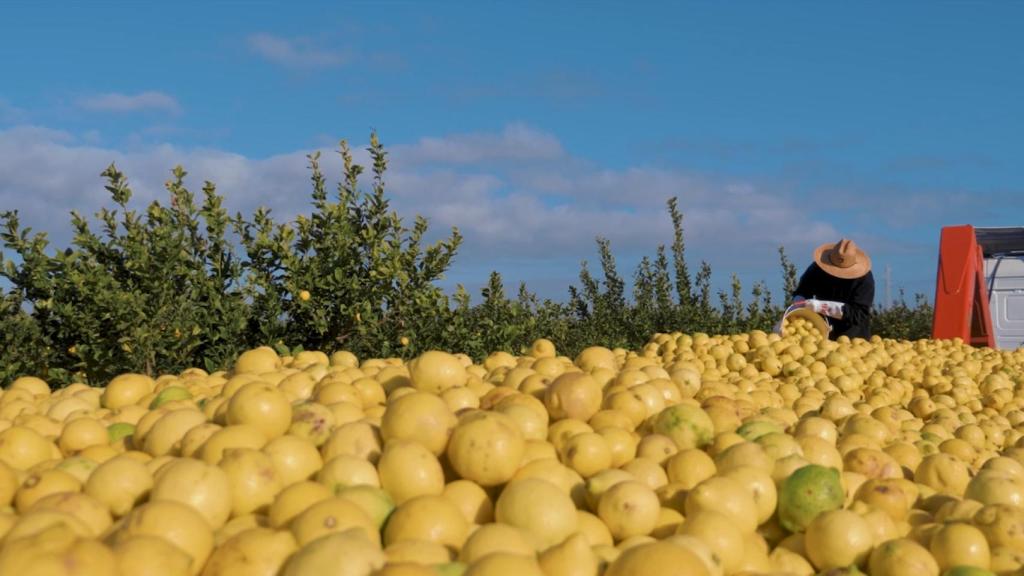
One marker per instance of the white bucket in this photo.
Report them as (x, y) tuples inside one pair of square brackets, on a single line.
[(801, 312)]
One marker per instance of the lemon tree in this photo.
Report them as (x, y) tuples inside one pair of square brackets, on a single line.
[(151, 291), (350, 274)]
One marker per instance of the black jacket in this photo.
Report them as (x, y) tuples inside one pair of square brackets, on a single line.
[(857, 294)]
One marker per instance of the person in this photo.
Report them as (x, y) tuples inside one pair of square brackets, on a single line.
[(839, 285)]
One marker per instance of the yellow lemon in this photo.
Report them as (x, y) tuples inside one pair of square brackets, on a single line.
[(420, 416), (120, 483), (838, 538), (573, 557), (261, 551), (91, 512), (263, 406), (407, 469), (126, 389), (657, 559), (257, 360), (22, 448), (725, 495), (428, 518), (151, 556), (959, 544), (174, 522), (346, 553), (540, 508), (436, 371), (204, 487), (57, 550), (493, 538), (472, 500), (294, 500), (505, 564)]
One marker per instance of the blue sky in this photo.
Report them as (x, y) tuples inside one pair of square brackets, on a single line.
[(534, 128)]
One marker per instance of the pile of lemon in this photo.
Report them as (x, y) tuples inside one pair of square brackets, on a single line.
[(797, 326), (694, 456)]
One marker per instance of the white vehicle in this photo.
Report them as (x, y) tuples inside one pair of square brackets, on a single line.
[(1003, 251), (979, 288)]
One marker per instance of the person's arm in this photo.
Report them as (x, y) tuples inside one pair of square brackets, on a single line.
[(805, 288), (853, 310), (858, 309)]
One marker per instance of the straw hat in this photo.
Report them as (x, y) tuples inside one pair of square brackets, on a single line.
[(842, 259)]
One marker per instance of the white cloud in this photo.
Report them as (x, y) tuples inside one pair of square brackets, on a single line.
[(118, 102), (296, 53), (516, 142), (11, 114), (523, 203)]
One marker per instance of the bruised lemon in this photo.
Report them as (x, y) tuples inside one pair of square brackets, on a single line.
[(330, 516), (253, 480), (629, 509), (687, 426), (486, 448), (294, 458), (204, 487), (574, 395), (902, 556), (53, 551)]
